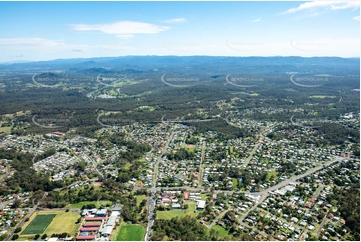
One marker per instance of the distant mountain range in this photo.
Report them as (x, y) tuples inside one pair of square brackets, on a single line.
[(141, 63)]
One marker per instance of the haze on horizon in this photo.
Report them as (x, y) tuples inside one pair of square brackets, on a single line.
[(35, 31)]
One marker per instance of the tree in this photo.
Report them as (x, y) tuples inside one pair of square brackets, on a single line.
[(3, 236), (17, 230), (37, 236), (15, 237), (44, 236)]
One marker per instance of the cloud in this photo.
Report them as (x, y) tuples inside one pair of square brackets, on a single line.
[(357, 18), (31, 42), (330, 5), (256, 20), (175, 20), (122, 29)]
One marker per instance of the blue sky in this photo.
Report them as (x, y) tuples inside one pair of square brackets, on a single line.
[(52, 30)]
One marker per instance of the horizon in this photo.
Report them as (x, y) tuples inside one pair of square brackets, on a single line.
[(104, 57), (42, 31)]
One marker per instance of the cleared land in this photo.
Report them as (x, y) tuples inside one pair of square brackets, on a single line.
[(39, 224), (81, 204), (221, 231), (131, 232), (140, 199)]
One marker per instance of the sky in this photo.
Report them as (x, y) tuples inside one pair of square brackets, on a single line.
[(35, 31)]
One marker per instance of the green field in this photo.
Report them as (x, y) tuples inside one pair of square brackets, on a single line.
[(62, 222), (178, 212), (320, 96), (140, 199), (81, 204), (221, 231), (39, 224), (131, 232)]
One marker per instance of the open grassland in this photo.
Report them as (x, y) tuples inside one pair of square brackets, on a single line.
[(168, 214), (140, 199), (131, 232), (221, 231), (81, 204)]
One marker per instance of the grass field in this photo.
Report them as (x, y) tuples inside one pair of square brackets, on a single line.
[(81, 204), (5, 129), (39, 224), (320, 96), (222, 232), (178, 212), (62, 222), (131, 232), (140, 199), (234, 183)]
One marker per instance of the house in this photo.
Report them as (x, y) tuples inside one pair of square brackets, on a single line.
[(186, 196), (308, 205)]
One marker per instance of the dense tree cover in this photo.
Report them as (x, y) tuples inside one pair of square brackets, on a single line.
[(349, 200), (192, 140), (188, 228), (133, 150), (181, 154), (184, 229), (335, 134), (225, 130), (25, 178), (47, 153), (110, 190)]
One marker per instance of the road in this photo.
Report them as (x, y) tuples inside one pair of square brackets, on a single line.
[(294, 178), (31, 211), (151, 201), (322, 224), (254, 206), (88, 159), (249, 158), (200, 176)]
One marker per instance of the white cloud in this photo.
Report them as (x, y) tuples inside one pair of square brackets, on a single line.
[(31, 42), (175, 20), (256, 20), (122, 29), (330, 5), (357, 18)]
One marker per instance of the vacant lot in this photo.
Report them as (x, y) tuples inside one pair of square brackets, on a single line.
[(81, 204), (221, 231), (131, 232), (39, 224), (168, 214)]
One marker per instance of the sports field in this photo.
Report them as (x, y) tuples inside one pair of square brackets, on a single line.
[(131, 232), (63, 222), (39, 224)]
